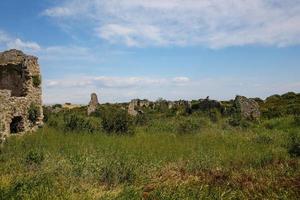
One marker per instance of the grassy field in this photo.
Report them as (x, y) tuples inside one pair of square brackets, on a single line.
[(214, 161)]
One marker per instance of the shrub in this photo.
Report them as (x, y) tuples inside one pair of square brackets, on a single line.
[(33, 113), (96, 113), (57, 106), (186, 126), (186, 111), (53, 121), (214, 115), (116, 121), (73, 122), (207, 105), (293, 109), (34, 157), (141, 119), (297, 120), (46, 113), (272, 112), (36, 80), (236, 121), (294, 144)]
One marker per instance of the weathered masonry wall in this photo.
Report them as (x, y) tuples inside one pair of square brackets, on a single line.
[(20, 93)]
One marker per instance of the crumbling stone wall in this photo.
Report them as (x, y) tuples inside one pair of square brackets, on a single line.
[(132, 107), (248, 108), (135, 106), (20, 91)]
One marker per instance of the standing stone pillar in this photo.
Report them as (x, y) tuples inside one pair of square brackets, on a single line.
[(93, 104)]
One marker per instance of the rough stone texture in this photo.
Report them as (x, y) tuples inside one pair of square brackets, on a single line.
[(179, 104), (20, 87), (248, 108), (145, 103), (171, 104), (136, 105), (132, 106), (93, 104), (183, 103)]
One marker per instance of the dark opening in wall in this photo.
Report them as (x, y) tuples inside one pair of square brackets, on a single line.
[(12, 78), (17, 125)]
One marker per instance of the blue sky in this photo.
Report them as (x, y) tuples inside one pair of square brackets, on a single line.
[(175, 49)]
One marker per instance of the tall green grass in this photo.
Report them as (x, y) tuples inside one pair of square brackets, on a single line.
[(214, 161)]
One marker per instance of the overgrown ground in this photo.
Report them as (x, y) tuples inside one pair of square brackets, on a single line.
[(165, 159)]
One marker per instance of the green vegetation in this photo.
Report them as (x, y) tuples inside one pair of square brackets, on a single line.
[(157, 155), (33, 113), (115, 120), (36, 80)]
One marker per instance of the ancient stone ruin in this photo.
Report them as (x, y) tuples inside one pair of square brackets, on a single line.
[(93, 104), (132, 107), (248, 108), (135, 105), (20, 93)]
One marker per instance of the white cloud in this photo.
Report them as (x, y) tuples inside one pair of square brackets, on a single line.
[(67, 53), (77, 89), (181, 79), (9, 42), (212, 23), (50, 54), (138, 35), (19, 44), (115, 82), (58, 11)]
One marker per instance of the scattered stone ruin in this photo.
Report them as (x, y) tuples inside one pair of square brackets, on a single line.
[(132, 106), (248, 108), (135, 105), (182, 103), (93, 104), (145, 103), (20, 93)]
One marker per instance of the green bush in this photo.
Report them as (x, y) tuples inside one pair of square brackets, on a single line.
[(53, 121), (33, 113), (297, 120), (57, 106), (141, 119), (294, 144), (234, 121), (116, 121), (73, 122), (36, 80), (214, 115), (237, 121), (187, 126), (47, 112), (273, 112), (34, 157)]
